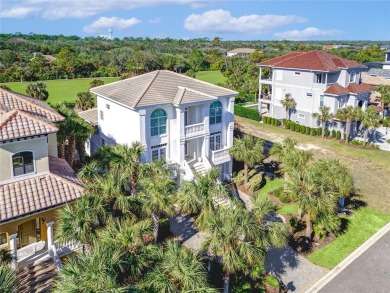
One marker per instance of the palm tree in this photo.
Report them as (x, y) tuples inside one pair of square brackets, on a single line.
[(8, 279), (90, 171), (306, 188), (232, 234), (85, 101), (248, 149), (178, 269), (84, 132), (37, 90), (347, 115), (369, 120), (324, 116), (197, 196), (157, 192), (384, 91), (289, 104)]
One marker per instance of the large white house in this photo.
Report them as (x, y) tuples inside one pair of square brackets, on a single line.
[(313, 79), (187, 122)]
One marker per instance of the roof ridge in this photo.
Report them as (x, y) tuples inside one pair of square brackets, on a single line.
[(322, 61), (199, 92), (78, 186), (294, 55), (183, 91), (7, 117), (31, 103), (146, 88)]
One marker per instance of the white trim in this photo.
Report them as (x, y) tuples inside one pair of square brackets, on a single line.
[(23, 175)]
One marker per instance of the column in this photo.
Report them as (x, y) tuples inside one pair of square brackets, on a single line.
[(142, 121), (180, 135), (13, 250), (50, 237)]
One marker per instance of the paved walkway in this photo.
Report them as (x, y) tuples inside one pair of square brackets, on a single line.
[(296, 272)]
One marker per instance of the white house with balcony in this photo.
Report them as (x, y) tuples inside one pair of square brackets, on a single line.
[(187, 122), (313, 79)]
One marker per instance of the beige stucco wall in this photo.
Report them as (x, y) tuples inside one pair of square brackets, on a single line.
[(38, 146), (52, 139)]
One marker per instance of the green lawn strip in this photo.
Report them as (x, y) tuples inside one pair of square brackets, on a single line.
[(289, 209), (362, 225), (61, 90), (215, 77), (377, 156), (271, 185)]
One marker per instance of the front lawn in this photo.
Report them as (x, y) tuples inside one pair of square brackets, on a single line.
[(64, 90), (215, 77), (364, 223), (271, 185)]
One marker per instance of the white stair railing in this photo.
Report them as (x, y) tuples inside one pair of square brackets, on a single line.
[(188, 174)]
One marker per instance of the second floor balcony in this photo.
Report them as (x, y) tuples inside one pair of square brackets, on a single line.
[(194, 130), (266, 98), (220, 156)]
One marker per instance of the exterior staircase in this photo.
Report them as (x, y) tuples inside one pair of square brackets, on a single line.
[(200, 168), (37, 277)]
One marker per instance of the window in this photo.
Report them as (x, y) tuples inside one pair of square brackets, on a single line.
[(158, 122), (185, 116), (215, 112), (342, 102), (301, 116), (23, 163), (159, 152), (320, 78), (186, 149), (3, 238), (352, 77), (101, 114), (108, 106), (309, 94), (215, 141), (321, 100), (296, 73)]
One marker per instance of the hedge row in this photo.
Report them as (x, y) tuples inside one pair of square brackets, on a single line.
[(288, 124), (270, 120), (249, 113)]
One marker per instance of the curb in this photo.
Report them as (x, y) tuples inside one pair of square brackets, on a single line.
[(348, 260)]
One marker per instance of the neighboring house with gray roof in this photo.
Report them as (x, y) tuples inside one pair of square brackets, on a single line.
[(34, 182), (183, 120)]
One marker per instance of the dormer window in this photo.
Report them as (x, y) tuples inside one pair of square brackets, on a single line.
[(23, 163), (352, 77)]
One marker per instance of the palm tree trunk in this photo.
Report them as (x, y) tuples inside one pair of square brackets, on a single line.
[(347, 131), (156, 223), (133, 183), (80, 146), (365, 135), (323, 128), (287, 113), (299, 216), (61, 149), (69, 156), (246, 176), (226, 280), (308, 227)]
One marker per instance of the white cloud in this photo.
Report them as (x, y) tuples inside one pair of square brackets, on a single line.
[(104, 23), (57, 9), (154, 20), (308, 33), (221, 21), (18, 12)]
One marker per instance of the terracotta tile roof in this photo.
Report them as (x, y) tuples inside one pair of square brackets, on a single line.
[(17, 124), (360, 88), (336, 89), (158, 88), (39, 193), (13, 101), (313, 60), (91, 116)]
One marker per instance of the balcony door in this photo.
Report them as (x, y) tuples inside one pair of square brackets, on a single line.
[(215, 141)]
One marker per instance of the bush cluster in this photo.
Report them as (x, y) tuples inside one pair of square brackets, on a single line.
[(255, 182), (271, 121), (249, 113), (288, 124), (360, 143)]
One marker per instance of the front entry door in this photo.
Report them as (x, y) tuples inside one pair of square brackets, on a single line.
[(28, 233)]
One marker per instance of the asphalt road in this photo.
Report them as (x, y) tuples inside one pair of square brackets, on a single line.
[(369, 273)]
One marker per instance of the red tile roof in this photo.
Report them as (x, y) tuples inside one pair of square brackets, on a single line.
[(360, 88), (313, 60), (39, 193), (17, 124), (336, 89)]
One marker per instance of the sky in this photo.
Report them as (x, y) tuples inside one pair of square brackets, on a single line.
[(188, 19)]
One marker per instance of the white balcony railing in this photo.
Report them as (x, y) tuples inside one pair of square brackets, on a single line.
[(220, 156), (194, 130), (64, 248)]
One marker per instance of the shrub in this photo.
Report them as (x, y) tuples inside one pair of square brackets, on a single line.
[(333, 133), (278, 122), (272, 281), (308, 129), (313, 132), (284, 121), (344, 136), (239, 179), (302, 129), (255, 182), (338, 135), (249, 113), (297, 127), (284, 198), (319, 131), (277, 192), (327, 132), (95, 83), (287, 124), (292, 125), (264, 119)]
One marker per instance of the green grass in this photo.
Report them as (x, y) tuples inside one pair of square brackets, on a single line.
[(362, 225), (290, 209), (271, 185), (214, 77), (61, 90)]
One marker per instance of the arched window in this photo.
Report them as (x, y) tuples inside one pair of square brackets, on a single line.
[(215, 112), (158, 122), (23, 163)]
